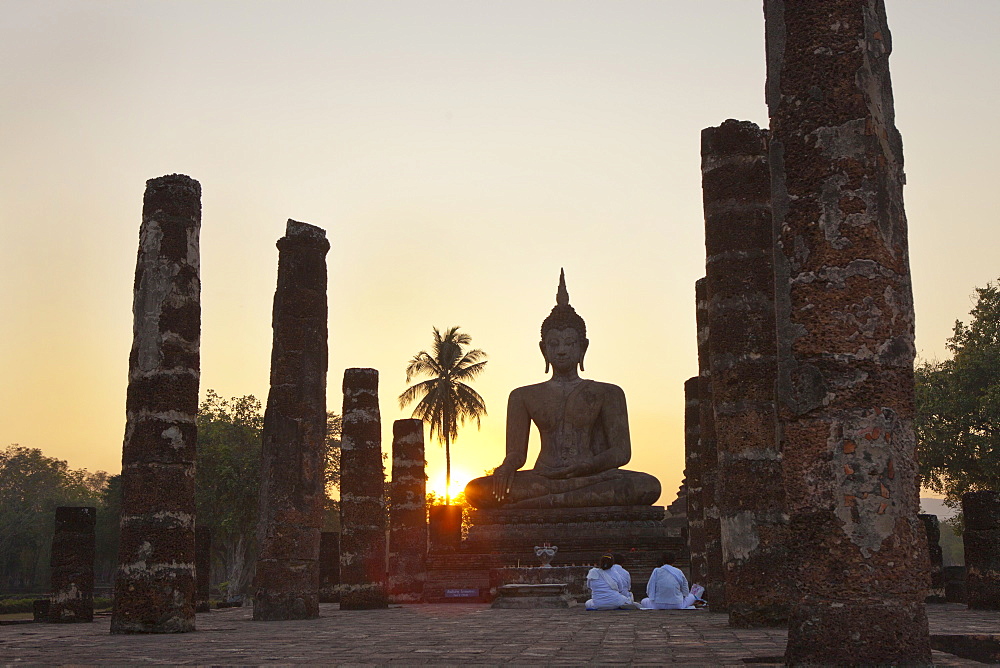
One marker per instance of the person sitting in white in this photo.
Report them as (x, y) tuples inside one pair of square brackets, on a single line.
[(668, 588), (606, 590), (621, 576)]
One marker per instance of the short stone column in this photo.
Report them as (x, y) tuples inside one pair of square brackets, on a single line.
[(154, 590), (72, 561), (736, 188), (692, 481), (202, 568), (362, 496), (407, 513), (715, 573), (982, 549), (933, 530), (329, 567), (844, 323), (293, 454)]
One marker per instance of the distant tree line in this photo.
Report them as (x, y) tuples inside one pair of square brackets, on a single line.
[(227, 478)]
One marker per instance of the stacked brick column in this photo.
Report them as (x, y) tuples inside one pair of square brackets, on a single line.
[(933, 530), (154, 590), (740, 286), (72, 564), (692, 480), (982, 549), (362, 496), (408, 513), (844, 313), (202, 567), (715, 574), (293, 456)]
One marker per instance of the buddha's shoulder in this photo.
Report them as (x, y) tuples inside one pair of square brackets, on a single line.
[(545, 387)]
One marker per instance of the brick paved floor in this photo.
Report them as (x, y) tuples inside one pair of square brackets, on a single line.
[(437, 634)]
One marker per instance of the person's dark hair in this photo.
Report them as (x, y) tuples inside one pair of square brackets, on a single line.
[(668, 558), (607, 561), (619, 558)]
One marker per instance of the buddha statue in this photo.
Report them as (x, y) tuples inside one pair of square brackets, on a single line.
[(584, 432)]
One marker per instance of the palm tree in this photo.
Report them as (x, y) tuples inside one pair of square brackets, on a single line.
[(444, 398)]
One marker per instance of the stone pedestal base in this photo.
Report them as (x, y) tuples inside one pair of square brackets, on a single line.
[(524, 596), (506, 539), (573, 577)]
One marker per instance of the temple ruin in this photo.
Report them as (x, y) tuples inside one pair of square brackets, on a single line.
[(293, 455), (154, 591), (844, 313), (362, 496)]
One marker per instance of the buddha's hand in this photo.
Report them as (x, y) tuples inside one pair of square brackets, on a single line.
[(574, 470), (503, 478)]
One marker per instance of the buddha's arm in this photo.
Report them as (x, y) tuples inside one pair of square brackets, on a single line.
[(614, 417), (518, 428)]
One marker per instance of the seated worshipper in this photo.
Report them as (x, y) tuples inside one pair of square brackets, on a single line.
[(668, 588), (606, 590), (619, 573)]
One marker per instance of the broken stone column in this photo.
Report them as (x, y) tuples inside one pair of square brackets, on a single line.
[(692, 480), (407, 513), (293, 452), (154, 590), (329, 567), (982, 549), (740, 286), (72, 561), (844, 312), (715, 574), (362, 496), (933, 530), (202, 568)]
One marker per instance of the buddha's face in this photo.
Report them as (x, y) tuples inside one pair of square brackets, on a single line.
[(563, 348)]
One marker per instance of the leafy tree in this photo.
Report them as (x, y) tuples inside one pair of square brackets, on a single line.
[(31, 487), (228, 483), (444, 399), (958, 406), (230, 436)]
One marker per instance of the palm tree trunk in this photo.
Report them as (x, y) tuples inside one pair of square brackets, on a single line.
[(447, 469)]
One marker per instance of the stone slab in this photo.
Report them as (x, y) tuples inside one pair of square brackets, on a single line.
[(439, 634)]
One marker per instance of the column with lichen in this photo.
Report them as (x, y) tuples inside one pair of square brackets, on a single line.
[(740, 284), (844, 322), (154, 590), (293, 454)]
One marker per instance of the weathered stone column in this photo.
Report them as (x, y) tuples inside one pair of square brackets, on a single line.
[(740, 283), (407, 513), (293, 454), (329, 567), (715, 574), (692, 480), (933, 530), (202, 568), (72, 561), (982, 549), (844, 313), (362, 496), (154, 590)]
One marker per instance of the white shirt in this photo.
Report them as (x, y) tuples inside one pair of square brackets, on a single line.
[(605, 591), (667, 586)]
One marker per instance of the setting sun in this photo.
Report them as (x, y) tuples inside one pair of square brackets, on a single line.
[(459, 478)]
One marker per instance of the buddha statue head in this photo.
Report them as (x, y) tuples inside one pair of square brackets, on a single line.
[(564, 334)]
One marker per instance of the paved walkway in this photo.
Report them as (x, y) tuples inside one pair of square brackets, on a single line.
[(438, 634)]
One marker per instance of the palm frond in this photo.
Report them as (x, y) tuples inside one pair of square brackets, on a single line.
[(468, 372)]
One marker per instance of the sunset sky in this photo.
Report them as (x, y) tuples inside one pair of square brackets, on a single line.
[(458, 154)]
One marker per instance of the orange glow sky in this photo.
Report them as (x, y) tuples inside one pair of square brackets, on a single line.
[(458, 154)]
